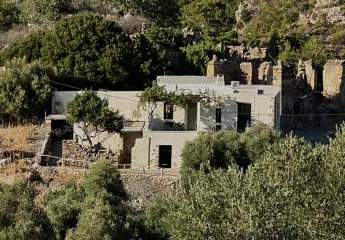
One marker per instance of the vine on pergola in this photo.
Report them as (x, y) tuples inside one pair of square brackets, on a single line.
[(181, 98)]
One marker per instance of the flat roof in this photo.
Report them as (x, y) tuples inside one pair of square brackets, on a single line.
[(224, 90), (56, 117)]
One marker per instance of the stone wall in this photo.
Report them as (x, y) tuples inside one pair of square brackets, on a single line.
[(247, 73), (333, 78), (143, 188), (76, 152), (140, 188)]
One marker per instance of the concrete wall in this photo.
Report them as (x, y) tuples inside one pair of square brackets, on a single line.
[(207, 122), (146, 151), (111, 141), (158, 121), (125, 101)]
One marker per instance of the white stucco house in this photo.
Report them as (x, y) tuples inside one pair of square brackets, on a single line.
[(157, 142)]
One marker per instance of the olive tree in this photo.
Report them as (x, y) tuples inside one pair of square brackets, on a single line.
[(25, 90), (93, 115)]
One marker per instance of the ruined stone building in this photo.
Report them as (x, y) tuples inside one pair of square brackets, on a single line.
[(312, 97)]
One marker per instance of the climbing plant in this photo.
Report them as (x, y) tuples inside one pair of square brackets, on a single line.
[(208, 98)]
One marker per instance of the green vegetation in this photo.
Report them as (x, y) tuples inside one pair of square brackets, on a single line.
[(19, 217), (25, 90), (9, 14), (226, 149), (290, 192), (94, 209), (93, 115), (214, 20)]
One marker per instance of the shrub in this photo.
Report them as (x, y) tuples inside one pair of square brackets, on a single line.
[(338, 37), (9, 14), (25, 90), (226, 149)]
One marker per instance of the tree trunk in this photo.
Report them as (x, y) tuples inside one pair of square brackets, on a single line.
[(89, 140)]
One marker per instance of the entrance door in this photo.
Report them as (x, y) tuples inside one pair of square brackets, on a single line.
[(165, 156), (243, 116)]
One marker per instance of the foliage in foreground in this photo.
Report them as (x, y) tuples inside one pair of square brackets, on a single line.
[(93, 210), (226, 149), (295, 191)]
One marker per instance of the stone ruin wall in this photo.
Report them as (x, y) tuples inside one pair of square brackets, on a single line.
[(333, 80), (304, 89)]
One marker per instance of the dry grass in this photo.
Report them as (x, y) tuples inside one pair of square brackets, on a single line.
[(17, 138)]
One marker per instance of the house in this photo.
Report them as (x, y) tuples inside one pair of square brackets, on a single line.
[(155, 139)]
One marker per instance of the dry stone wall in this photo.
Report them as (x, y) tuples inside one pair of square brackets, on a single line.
[(76, 152)]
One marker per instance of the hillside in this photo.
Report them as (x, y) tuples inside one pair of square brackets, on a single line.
[(259, 22)]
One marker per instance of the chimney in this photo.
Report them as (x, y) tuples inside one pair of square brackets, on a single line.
[(214, 67)]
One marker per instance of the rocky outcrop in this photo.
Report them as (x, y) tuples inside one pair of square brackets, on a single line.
[(324, 11)]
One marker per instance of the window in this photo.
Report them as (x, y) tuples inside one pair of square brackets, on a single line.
[(218, 119), (243, 116), (218, 115), (165, 156), (168, 111)]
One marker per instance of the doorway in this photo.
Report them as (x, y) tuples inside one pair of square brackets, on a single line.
[(165, 153), (243, 116)]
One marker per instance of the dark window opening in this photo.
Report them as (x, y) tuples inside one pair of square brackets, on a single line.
[(218, 115), (218, 127), (165, 153), (244, 116), (168, 111)]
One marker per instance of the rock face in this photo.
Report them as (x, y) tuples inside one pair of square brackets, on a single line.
[(248, 54), (326, 3), (324, 11)]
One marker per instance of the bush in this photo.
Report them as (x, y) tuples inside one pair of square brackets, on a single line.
[(338, 37), (93, 52), (25, 91), (212, 19), (19, 217), (226, 149), (28, 48), (63, 208), (42, 11), (104, 178), (98, 222), (9, 14)]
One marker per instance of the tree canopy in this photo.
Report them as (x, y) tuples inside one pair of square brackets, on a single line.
[(25, 90), (93, 115)]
